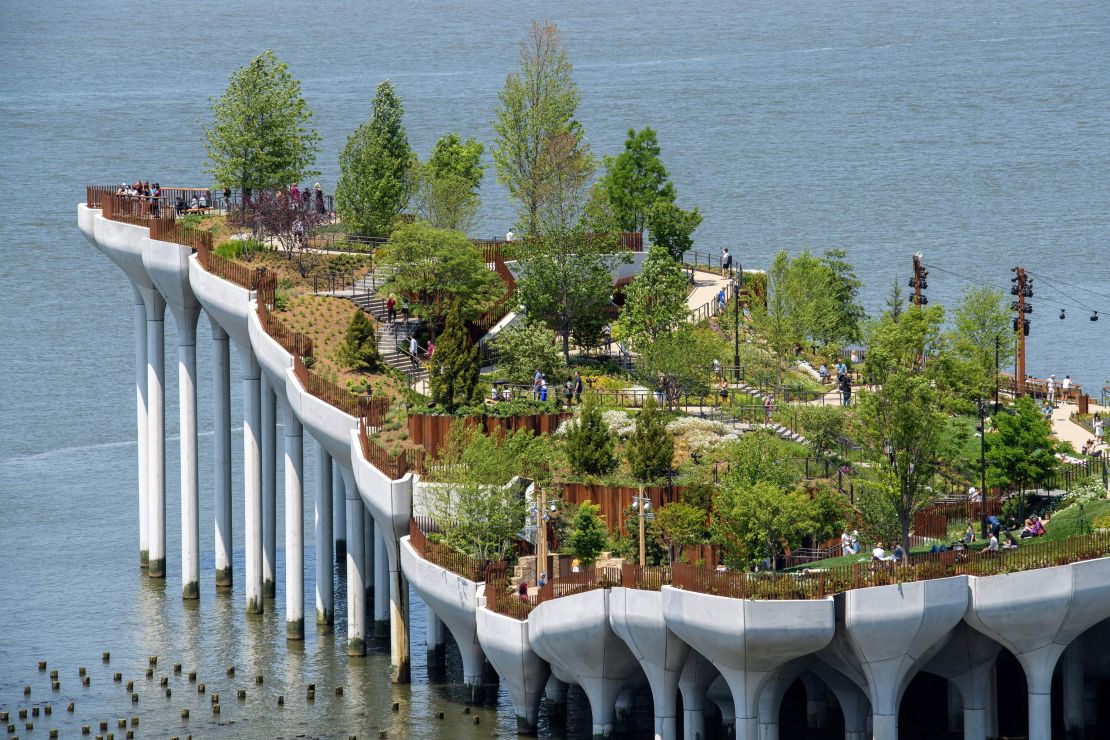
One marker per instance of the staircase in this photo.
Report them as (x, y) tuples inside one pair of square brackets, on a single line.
[(393, 337)]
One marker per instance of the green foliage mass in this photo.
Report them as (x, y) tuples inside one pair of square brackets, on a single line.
[(589, 444), (1020, 449), (588, 534), (376, 168), (759, 456), (447, 195), (673, 228), (360, 348), (824, 426), (655, 302), (525, 348), (680, 525), (751, 522), (635, 180), (454, 370), (650, 448), (259, 138)]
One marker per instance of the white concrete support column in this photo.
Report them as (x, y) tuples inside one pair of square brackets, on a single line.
[(382, 586), (556, 693), (156, 434), (252, 479), (817, 704), (770, 696), (505, 643), (854, 705), (368, 570), (339, 509), (141, 419), (435, 639), (955, 710), (186, 320), (991, 704), (221, 446), (294, 525), (325, 597), (399, 625), (1072, 673), (694, 681), (356, 564), (269, 487)]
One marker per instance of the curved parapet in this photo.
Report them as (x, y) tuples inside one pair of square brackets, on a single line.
[(388, 501), (86, 222), (328, 425), (748, 641), (454, 600), (637, 618), (224, 301), (1036, 614), (272, 357), (167, 264), (505, 642), (572, 633), (120, 242), (892, 630)]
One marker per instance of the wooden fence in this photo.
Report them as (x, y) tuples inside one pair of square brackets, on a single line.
[(469, 568), (502, 598), (430, 430), (615, 500)]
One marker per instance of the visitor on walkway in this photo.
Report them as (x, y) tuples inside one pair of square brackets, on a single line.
[(577, 387), (823, 373), (716, 368), (414, 349), (294, 195), (543, 389), (726, 263), (390, 308), (537, 377), (510, 236), (721, 301), (841, 370), (568, 393), (405, 308), (431, 349), (1065, 387), (1051, 390), (1100, 431), (845, 390), (319, 199), (768, 408)]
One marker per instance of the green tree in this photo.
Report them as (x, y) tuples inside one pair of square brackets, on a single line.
[(360, 347), (681, 360), (895, 300), (588, 534), (761, 456), (655, 302), (442, 268), (878, 516), (259, 137), (565, 281), (454, 369), (447, 195), (841, 317), (480, 512), (981, 318), (589, 444), (635, 179), (524, 348), (376, 168), (1020, 450), (673, 228), (824, 427), (650, 448), (679, 525), (777, 323), (831, 512), (537, 104), (901, 425), (755, 521)]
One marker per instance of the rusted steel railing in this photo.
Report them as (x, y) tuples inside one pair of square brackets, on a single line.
[(469, 568), (645, 578)]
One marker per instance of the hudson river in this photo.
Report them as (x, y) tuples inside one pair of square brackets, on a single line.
[(975, 132)]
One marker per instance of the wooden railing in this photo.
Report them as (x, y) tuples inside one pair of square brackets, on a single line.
[(469, 568), (393, 466), (645, 578), (167, 230), (502, 598), (230, 270)]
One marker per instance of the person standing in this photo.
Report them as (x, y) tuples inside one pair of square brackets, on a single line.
[(537, 379), (1065, 387), (391, 308), (1051, 390), (726, 263), (319, 199), (414, 348), (510, 236), (577, 387), (768, 409), (721, 301), (845, 390)]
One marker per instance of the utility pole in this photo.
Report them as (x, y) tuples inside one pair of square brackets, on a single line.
[(736, 335), (983, 450), (918, 282), (1022, 288)]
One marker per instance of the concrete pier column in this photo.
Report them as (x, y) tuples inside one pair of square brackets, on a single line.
[(186, 321), (770, 697), (325, 597), (399, 626), (339, 509), (252, 479), (156, 433), (435, 638), (556, 692), (294, 525), (693, 682), (817, 704), (505, 643), (141, 418), (854, 705), (368, 571), (1072, 673), (269, 486), (221, 446), (382, 586), (955, 709), (356, 564)]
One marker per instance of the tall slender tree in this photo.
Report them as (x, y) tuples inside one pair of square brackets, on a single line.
[(535, 125), (260, 136), (655, 302), (454, 368), (635, 179), (376, 168)]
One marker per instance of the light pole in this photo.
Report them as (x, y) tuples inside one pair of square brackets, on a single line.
[(738, 283), (982, 450), (643, 506)]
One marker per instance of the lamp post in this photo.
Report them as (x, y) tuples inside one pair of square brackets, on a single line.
[(738, 284), (997, 344), (643, 506), (982, 450)]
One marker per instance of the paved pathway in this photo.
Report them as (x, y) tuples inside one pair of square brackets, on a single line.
[(1067, 430), (706, 287)]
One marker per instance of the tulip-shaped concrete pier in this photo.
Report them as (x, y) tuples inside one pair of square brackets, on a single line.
[(504, 641), (573, 635), (748, 641)]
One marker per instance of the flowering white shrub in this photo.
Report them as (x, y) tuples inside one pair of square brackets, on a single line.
[(619, 423), (701, 434)]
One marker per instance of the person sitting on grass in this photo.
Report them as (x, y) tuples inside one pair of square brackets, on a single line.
[(899, 553), (992, 547), (969, 534), (1010, 543)]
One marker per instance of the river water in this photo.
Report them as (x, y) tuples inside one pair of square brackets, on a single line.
[(977, 133)]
